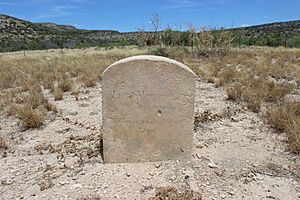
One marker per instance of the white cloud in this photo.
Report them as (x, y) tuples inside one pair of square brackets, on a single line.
[(245, 25)]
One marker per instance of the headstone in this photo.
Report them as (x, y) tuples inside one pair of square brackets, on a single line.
[(148, 110)]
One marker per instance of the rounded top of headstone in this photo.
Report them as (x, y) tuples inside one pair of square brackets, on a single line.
[(150, 58)]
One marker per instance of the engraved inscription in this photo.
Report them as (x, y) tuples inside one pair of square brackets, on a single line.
[(139, 95)]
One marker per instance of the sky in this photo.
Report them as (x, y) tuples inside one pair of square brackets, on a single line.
[(129, 15)]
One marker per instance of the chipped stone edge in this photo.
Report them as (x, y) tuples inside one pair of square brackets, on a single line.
[(151, 58)]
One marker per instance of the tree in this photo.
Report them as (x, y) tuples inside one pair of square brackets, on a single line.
[(296, 41), (206, 39), (155, 22), (168, 37), (142, 35), (192, 35)]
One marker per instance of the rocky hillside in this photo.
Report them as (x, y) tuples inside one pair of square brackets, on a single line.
[(17, 34), (273, 34), (290, 27)]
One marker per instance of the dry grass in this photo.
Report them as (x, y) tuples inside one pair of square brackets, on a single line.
[(259, 78), (75, 92), (234, 92), (89, 197), (65, 84), (3, 144), (30, 107), (31, 118), (286, 117), (58, 94), (46, 68), (90, 80), (21, 78), (171, 193)]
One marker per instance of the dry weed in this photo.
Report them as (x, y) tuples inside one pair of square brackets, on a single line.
[(58, 94), (234, 92), (31, 118), (90, 80), (50, 70), (171, 193), (65, 84), (89, 197), (76, 93), (31, 107), (258, 77), (286, 117), (3, 144)]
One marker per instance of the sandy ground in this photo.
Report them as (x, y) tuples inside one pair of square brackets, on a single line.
[(235, 156)]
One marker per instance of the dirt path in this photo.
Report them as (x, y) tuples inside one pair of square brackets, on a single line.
[(236, 156)]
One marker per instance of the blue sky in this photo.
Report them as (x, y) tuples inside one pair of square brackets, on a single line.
[(127, 15)]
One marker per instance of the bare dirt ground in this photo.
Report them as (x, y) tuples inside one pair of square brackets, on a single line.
[(236, 156)]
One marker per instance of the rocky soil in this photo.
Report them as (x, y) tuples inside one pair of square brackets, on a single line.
[(235, 156)]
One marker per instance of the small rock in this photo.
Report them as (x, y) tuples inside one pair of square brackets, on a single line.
[(128, 174), (73, 113), (157, 165), (77, 186), (82, 173), (61, 166), (234, 119), (212, 165), (199, 146), (62, 183), (297, 160)]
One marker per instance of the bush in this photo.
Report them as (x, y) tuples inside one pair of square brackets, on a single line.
[(160, 51), (31, 108), (31, 118)]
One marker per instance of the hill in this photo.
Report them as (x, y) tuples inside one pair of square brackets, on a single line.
[(273, 34), (17, 34), (290, 27)]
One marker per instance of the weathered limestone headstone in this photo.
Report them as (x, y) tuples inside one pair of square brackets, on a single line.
[(148, 110)]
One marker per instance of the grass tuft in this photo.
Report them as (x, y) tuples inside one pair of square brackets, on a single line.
[(65, 84), (3, 144), (171, 193), (58, 94), (89, 80), (286, 117), (31, 118), (31, 108)]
